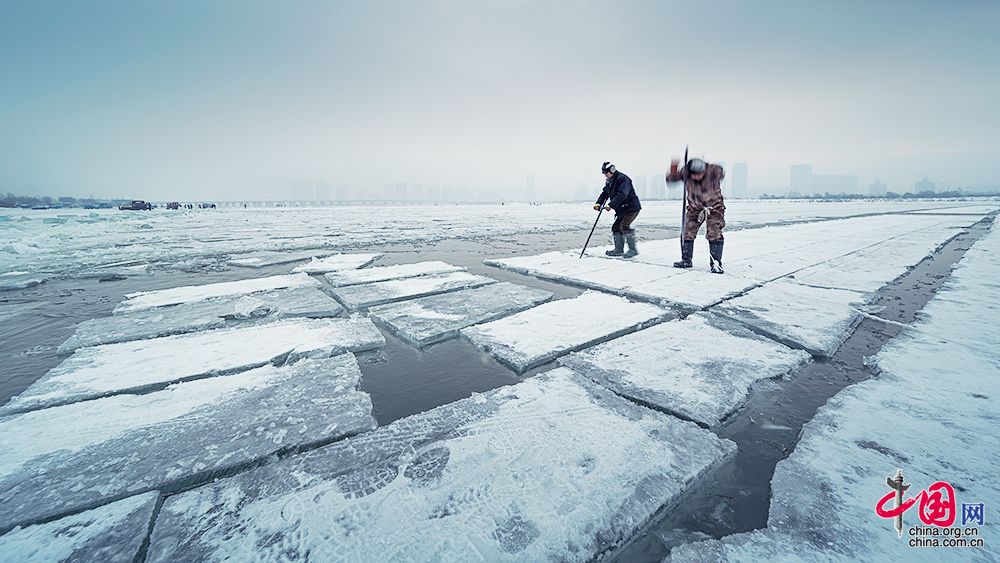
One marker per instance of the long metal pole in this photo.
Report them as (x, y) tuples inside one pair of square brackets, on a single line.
[(684, 197), (599, 211)]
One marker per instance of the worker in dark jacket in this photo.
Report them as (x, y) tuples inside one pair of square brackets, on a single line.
[(620, 196)]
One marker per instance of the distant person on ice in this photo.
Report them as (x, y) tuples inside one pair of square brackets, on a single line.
[(620, 196), (704, 205)]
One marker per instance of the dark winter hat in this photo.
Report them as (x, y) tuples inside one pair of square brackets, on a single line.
[(696, 166), (607, 167)]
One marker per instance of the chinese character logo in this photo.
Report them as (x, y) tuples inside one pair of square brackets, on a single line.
[(972, 512), (935, 504)]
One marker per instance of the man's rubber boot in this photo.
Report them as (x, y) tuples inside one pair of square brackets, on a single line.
[(715, 249), (619, 245), (687, 252), (633, 250)]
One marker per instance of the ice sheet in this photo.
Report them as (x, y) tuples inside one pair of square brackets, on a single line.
[(432, 319), (257, 260), (129, 366), (110, 534), (385, 273), (337, 262), (187, 294), (931, 412), (700, 368), (202, 315), (551, 469), (75, 456), (19, 280), (815, 319), (367, 295), (543, 333)]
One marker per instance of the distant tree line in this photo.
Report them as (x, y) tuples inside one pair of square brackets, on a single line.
[(11, 200), (887, 195)]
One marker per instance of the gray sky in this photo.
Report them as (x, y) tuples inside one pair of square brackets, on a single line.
[(220, 100)]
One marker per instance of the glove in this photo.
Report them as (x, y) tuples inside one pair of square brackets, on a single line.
[(597, 207), (607, 208)]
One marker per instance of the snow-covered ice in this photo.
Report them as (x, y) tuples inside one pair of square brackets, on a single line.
[(130, 366), (700, 368), (543, 333), (385, 273), (202, 315), (19, 280), (64, 458), (931, 411), (554, 468), (337, 262), (257, 260), (435, 318), (187, 294), (370, 294), (111, 533), (815, 319)]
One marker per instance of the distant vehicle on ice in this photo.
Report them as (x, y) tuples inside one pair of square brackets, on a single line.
[(136, 205), (173, 205)]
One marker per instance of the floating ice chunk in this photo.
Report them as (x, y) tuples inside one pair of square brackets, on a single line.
[(19, 280), (366, 295), (110, 533), (202, 315), (131, 366), (535, 336), (337, 262), (61, 459), (385, 273), (931, 412), (276, 258), (439, 317), (815, 319), (554, 468), (177, 295), (700, 368)]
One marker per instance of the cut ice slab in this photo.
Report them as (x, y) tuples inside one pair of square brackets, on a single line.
[(535, 336), (177, 295), (202, 315), (700, 368), (19, 280), (554, 468), (63, 459), (385, 273), (815, 319), (337, 262), (276, 258), (134, 366), (439, 317), (111, 533), (370, 294)]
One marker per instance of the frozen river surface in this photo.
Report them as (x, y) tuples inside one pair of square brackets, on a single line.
[(454, 383)]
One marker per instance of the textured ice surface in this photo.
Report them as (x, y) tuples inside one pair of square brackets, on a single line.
[(186, 294), (554, 468), (337, 262), (700, 368), (19, 280), (438, 317), (201, 315), (548, 331), (367, 295), (111, 533), (931, 411), (126, 366), (75, 456), (385, 273), (275, 258), (815, 319)]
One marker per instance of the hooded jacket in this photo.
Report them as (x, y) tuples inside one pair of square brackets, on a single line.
[(619, 194), (704, 193)]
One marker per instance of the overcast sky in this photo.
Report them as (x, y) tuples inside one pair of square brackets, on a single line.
[(230, 100)]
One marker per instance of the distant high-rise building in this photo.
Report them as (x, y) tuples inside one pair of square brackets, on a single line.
[(400, 191), (639, 185), (739, 181), (529, 188), (924, 185), (658, 187), (801, 179), (877, 188)]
